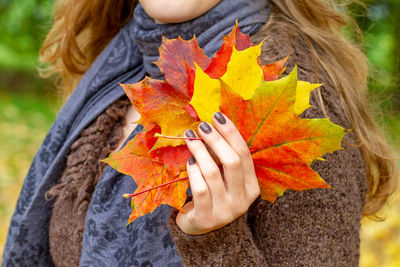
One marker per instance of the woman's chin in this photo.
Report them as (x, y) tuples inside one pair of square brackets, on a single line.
[(176, 11)]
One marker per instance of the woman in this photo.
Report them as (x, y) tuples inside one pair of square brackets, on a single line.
[(84, 224)]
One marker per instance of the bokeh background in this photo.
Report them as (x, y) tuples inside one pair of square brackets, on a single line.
[(28, 105)]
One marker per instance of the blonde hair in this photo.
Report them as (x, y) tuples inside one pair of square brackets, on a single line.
[(74, 42)]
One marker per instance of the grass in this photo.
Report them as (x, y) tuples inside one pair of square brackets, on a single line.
[(25, 120)]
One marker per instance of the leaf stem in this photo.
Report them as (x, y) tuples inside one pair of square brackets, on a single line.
[(175, 137), (152, 188)]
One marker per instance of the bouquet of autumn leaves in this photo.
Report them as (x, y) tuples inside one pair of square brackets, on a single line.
[(264, 107)]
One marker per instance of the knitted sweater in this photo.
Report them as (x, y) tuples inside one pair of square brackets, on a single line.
[(317, 227)]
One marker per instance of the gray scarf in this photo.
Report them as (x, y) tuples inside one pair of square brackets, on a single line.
[(126, 59)]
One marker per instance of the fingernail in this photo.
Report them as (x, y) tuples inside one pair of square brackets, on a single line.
[(191, 160), (190, 133), (205, 127), (219, 117)]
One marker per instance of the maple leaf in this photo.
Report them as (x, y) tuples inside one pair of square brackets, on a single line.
[(164, 107), (160, 103), (282, 145), (264, 108), (151, 169)]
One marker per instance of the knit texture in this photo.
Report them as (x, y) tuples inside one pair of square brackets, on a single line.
[(74, 190), (317, 227)]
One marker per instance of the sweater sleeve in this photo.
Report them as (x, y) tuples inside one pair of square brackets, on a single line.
[(231, 245), (317, 227)]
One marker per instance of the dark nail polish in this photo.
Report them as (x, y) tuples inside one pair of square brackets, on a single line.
[(205, 127), (219, 117), (191, 160), (190, 133)]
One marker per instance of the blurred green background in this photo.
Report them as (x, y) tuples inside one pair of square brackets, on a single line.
[(28, 105)]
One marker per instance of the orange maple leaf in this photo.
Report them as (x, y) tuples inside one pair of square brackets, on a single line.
[(264, 108), (150, 169)]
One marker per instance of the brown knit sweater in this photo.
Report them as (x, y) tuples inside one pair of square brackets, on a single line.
[(73, 192), (318, 227)]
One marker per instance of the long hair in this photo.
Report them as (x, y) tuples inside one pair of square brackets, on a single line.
[(82, 29)]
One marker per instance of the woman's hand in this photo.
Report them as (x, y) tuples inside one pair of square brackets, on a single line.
[(218, 198)]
